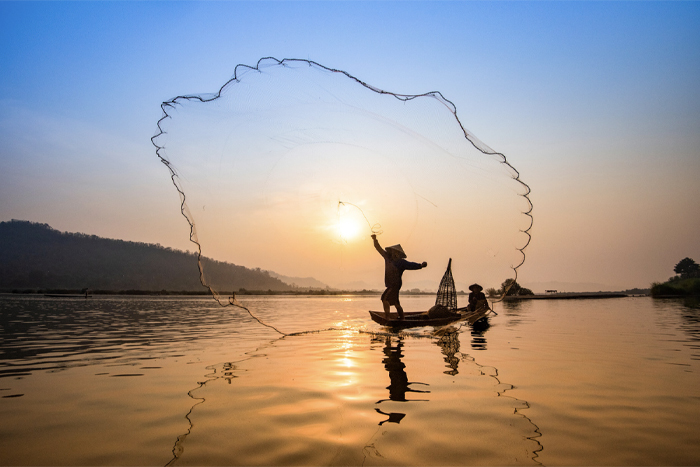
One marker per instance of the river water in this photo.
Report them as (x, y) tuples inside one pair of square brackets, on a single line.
[(182, 381)]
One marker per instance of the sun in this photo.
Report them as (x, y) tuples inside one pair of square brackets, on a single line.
[(347, 229)]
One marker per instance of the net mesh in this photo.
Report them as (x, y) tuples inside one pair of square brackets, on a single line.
[(288, 167), (447, 294)]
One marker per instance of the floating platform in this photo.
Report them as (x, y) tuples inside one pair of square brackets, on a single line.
[(565, 296)]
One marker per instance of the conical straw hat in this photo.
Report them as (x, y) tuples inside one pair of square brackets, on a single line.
[(398, 248), (476, 288)]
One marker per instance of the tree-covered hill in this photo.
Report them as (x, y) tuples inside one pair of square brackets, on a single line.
[(36, 256)]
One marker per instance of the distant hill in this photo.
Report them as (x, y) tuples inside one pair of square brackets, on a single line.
[(303, 282), (36, 256)]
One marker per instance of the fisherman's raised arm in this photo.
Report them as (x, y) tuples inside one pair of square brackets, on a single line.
[(378, 246)]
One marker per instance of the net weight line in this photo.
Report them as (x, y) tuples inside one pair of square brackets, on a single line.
[(174, 102), (376, 229)]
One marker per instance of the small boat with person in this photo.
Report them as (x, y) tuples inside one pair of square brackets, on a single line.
[(413, 319), (444, 312), (85, 293), (67, 295)]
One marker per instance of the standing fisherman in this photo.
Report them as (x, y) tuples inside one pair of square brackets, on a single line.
[(394, 266)]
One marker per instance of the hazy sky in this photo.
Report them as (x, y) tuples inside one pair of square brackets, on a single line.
[(595, 103)]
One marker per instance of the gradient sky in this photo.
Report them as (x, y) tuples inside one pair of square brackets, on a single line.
[(595, 103)]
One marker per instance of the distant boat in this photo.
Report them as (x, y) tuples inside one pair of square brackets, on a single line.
[(67, 295), (413, 319)]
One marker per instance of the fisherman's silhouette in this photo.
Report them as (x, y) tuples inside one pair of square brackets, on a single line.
[(394, 417), (394, 266), (399, 385)]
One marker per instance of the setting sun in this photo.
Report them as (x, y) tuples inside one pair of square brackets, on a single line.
[(348, 229)]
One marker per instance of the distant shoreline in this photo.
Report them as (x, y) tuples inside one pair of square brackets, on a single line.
[(71, 293), (75, 293), (677, 287)]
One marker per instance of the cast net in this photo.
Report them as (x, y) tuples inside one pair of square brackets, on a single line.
[(292, 165)]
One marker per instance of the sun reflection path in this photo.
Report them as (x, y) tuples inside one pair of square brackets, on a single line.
[(347, 368)]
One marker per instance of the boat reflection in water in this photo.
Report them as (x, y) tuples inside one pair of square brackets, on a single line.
[(478, 334), (399, 384)]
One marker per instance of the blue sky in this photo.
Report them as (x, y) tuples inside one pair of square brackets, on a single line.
[(595, 103)]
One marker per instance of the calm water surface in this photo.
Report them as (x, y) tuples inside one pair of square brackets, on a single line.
[(182, 381)]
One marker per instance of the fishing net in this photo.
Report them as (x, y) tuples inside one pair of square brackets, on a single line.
[(291, 166), (447, 294)]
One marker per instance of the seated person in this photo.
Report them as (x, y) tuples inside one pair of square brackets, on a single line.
[(477, 299)]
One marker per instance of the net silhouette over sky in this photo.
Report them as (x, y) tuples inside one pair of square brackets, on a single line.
[(291, 163)]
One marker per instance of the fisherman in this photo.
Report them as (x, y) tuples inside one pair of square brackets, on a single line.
[(394, 266), (477, 298)]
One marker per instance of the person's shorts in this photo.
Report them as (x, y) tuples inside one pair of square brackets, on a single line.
[(391, 295)]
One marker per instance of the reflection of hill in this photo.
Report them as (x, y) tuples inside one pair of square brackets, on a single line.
[(36, 256)]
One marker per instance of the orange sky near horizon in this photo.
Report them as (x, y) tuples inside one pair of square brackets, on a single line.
[(577, 95)]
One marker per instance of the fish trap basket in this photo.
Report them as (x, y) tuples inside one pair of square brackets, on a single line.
[(447, 295)]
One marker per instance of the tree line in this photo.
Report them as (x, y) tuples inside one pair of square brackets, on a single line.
[(685, 282), (511, 287)]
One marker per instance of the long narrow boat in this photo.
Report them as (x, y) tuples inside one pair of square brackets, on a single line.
[(67, 295), (413, 319)]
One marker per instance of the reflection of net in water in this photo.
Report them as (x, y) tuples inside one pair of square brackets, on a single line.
[(315, 400), (262, 165), (449, 345)]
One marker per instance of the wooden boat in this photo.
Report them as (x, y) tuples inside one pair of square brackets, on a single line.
[(413, 319), (67, 295), (446, 296)]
